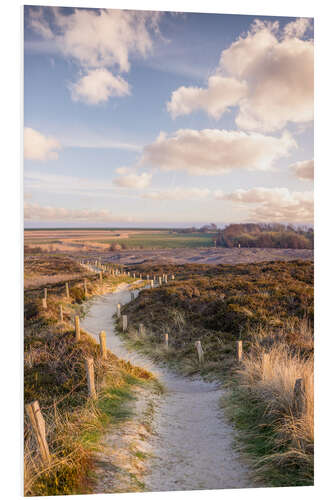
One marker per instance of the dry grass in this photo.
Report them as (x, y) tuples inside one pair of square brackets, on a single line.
[(54, 374), (267, 377)]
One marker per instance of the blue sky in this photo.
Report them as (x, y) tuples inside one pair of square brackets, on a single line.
[(148, 120)]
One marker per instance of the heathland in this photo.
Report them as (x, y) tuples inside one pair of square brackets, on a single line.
[(55, 376), (268, 305)]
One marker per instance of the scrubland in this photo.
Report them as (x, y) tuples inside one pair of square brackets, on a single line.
[(270, 307), (54, 374)]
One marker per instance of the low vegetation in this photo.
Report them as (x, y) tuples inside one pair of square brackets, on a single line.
[(270, 307), (54, 374), (161, 239)]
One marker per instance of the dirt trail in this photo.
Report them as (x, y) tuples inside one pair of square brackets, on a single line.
[(192, 443)]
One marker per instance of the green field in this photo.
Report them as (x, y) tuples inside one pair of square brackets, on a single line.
[(164, 240)]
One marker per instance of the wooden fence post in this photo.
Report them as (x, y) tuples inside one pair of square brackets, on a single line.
[(85, 287), (38, 424), (90, 377), (102, 343), (67, 291), (124, 322), (239, 350), (101, 277), (118, 310), (77, 329), (141, 330), (147, 276), (44, 303), (132, 295), (61, 313), (151, 283), (172, 276), (166, 340), (45, 293), (299, 402), (200, 351), (160, 280)]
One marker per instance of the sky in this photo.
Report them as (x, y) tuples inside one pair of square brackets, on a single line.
[(157, 119)]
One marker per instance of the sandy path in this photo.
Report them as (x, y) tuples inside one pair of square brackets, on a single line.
[(192, 443)]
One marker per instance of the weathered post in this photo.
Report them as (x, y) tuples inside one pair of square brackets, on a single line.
[(299, 402), (147, 277), (172, 276), (77, 329), (38, 425), (141, 330), (61, 313), (102, 343), (239, 350), (200, 351), (151, 283), (140, 276), (85, 287), (90, 377), (132, 295), (101, 277), (124, 322), (45, 293), (118, 310), (166, 278), (44, 303), (160, 280), (133, 275), (166, 340), (67, 290)]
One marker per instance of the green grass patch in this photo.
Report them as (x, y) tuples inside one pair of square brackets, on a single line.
[(272, 464), (164, 240)]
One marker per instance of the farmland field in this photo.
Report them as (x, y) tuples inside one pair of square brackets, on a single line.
[(102, 239)]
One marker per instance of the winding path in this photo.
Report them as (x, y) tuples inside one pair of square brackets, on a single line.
[(192, 442)]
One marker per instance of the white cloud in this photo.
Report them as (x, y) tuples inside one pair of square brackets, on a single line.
[(268, 74), (97, 39), (279, 73), (298, 28), (39, 147), (303, 169), (221, 93), (178, 194), (212, 151), (123, 170), (34, 211), (274, 204), (97, 86), (133, 181)]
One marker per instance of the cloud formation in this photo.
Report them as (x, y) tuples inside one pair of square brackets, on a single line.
[(132, 180), (212, 151), (274, 204), (268, 73), (178, 194), (98, 39), (303, 169), (34, 211), (97, 86), (39, 147), (220, 94)]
